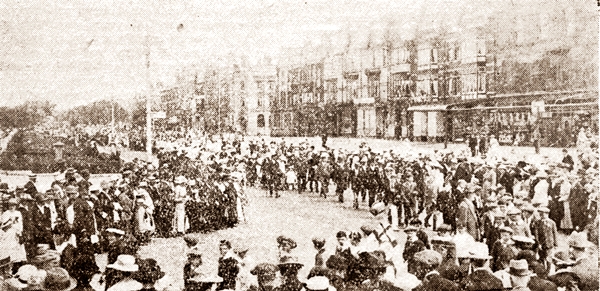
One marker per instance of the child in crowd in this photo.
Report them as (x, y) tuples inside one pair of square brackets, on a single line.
[(191, 270), (291, 179)]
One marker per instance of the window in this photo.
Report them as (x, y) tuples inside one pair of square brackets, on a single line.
[(260, 121), (373, 86)]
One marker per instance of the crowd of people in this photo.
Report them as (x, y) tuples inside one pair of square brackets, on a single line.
[(497, 223)]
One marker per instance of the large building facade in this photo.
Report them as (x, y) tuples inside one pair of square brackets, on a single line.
[(444, 87)]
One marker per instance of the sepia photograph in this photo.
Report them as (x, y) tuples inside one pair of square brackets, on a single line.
[(299, 145)]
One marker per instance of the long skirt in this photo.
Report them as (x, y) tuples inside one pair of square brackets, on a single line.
[(566, 222), (10, 246), (179, 219)]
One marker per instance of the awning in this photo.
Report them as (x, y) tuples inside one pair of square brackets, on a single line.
[(437, 107)]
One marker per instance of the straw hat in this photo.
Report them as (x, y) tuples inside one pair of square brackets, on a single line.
[(579, 240), (317, 283), (179, 180), (377, 208), (21, 279), (58, 279), (519, 268), (125, 263)]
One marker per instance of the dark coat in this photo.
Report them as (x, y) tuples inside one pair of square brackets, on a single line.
[(341, 177), (411, 248), (228, 270), (83, 225), (569, 161), (481, 280), (502, 254), (538, 284), (450, 271), (30, 188), (41, 226), (435, 282), (545, 234)]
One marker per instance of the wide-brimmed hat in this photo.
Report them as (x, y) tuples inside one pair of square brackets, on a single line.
[(472, 188), (428, 257), (579, 240), (58, 279), (368, 229), (410, 228), (317, 283), (523, 239), (149, 271), (543, 209), (528, 208), (240, 250), (283, 240), (513, 211), (372, 260), (444, 228), (561, 259), (48, 257), (41, 197), (13, 201), (191, 240), (265, 269), (194, 253), (290, 261), (506, 229), (21, 279), (519, 268), (377, 208), (71, 190), (479, 251), (125, 263), (179, 180)]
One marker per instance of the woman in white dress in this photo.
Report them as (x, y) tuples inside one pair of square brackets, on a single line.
[(10, 233), (565, 192), (179, 225), (242, 199)]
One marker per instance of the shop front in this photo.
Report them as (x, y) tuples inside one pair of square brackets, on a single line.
[(428, 123), (515, 120)]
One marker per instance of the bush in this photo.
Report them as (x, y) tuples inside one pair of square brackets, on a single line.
[(29, 151)]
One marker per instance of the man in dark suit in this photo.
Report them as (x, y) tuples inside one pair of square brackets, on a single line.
[(426, 262), (84, 223), (464, 171), (473, 144), (545, 234), (567, 160), (30, 187), (41, 222), (467, 213), (270, 171), (228, 266), (482, 277)]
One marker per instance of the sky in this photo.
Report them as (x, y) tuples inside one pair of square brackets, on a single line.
[(74, 52)]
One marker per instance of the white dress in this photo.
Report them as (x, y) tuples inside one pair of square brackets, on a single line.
[(180, 199), (9, 239), (541, 193)]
